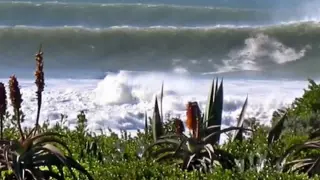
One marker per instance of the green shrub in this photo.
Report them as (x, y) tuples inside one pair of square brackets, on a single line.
[(304, 112)]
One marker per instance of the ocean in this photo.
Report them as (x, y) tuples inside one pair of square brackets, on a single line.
[(109, 58)]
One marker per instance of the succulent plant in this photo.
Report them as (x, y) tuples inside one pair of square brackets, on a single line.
[(29, 157), (35, 155), (198, 151)]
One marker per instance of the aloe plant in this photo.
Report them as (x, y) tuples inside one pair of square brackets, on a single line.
[(36, 157), (195, 152), (200, 150)]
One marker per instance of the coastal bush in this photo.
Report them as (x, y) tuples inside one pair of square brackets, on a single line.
[(304, 112), (121, 157)]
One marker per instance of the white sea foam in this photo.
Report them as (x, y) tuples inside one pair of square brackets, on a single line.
[(257, 51), (120, 99)]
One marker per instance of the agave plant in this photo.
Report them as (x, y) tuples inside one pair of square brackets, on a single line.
[(35, 155), (38, 156), (198, 151)]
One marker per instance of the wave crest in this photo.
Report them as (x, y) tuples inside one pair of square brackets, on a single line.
[(181, 50)]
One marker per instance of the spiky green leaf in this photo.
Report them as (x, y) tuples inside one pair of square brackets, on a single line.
[(146, 127), (215, 118), (276, 131), (210, 101), (237, 135), (174, 142), (212, 138), (161, 101), (156, 122)]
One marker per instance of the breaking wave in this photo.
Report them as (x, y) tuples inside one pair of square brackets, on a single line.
[(165, 48)]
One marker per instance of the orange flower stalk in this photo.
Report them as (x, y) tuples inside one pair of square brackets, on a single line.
[(3, 107), (191, 123), (16, 101), (193, 118), (39, 76)]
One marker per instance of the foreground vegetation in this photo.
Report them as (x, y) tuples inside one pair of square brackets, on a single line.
[(290, 149)]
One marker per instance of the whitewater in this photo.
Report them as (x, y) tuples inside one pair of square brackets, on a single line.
[(109, 59)]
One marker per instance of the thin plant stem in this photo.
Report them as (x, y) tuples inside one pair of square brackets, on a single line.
[(19, 124)]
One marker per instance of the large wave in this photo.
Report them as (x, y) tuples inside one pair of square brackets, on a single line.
[(198, 50), (106, 15)]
